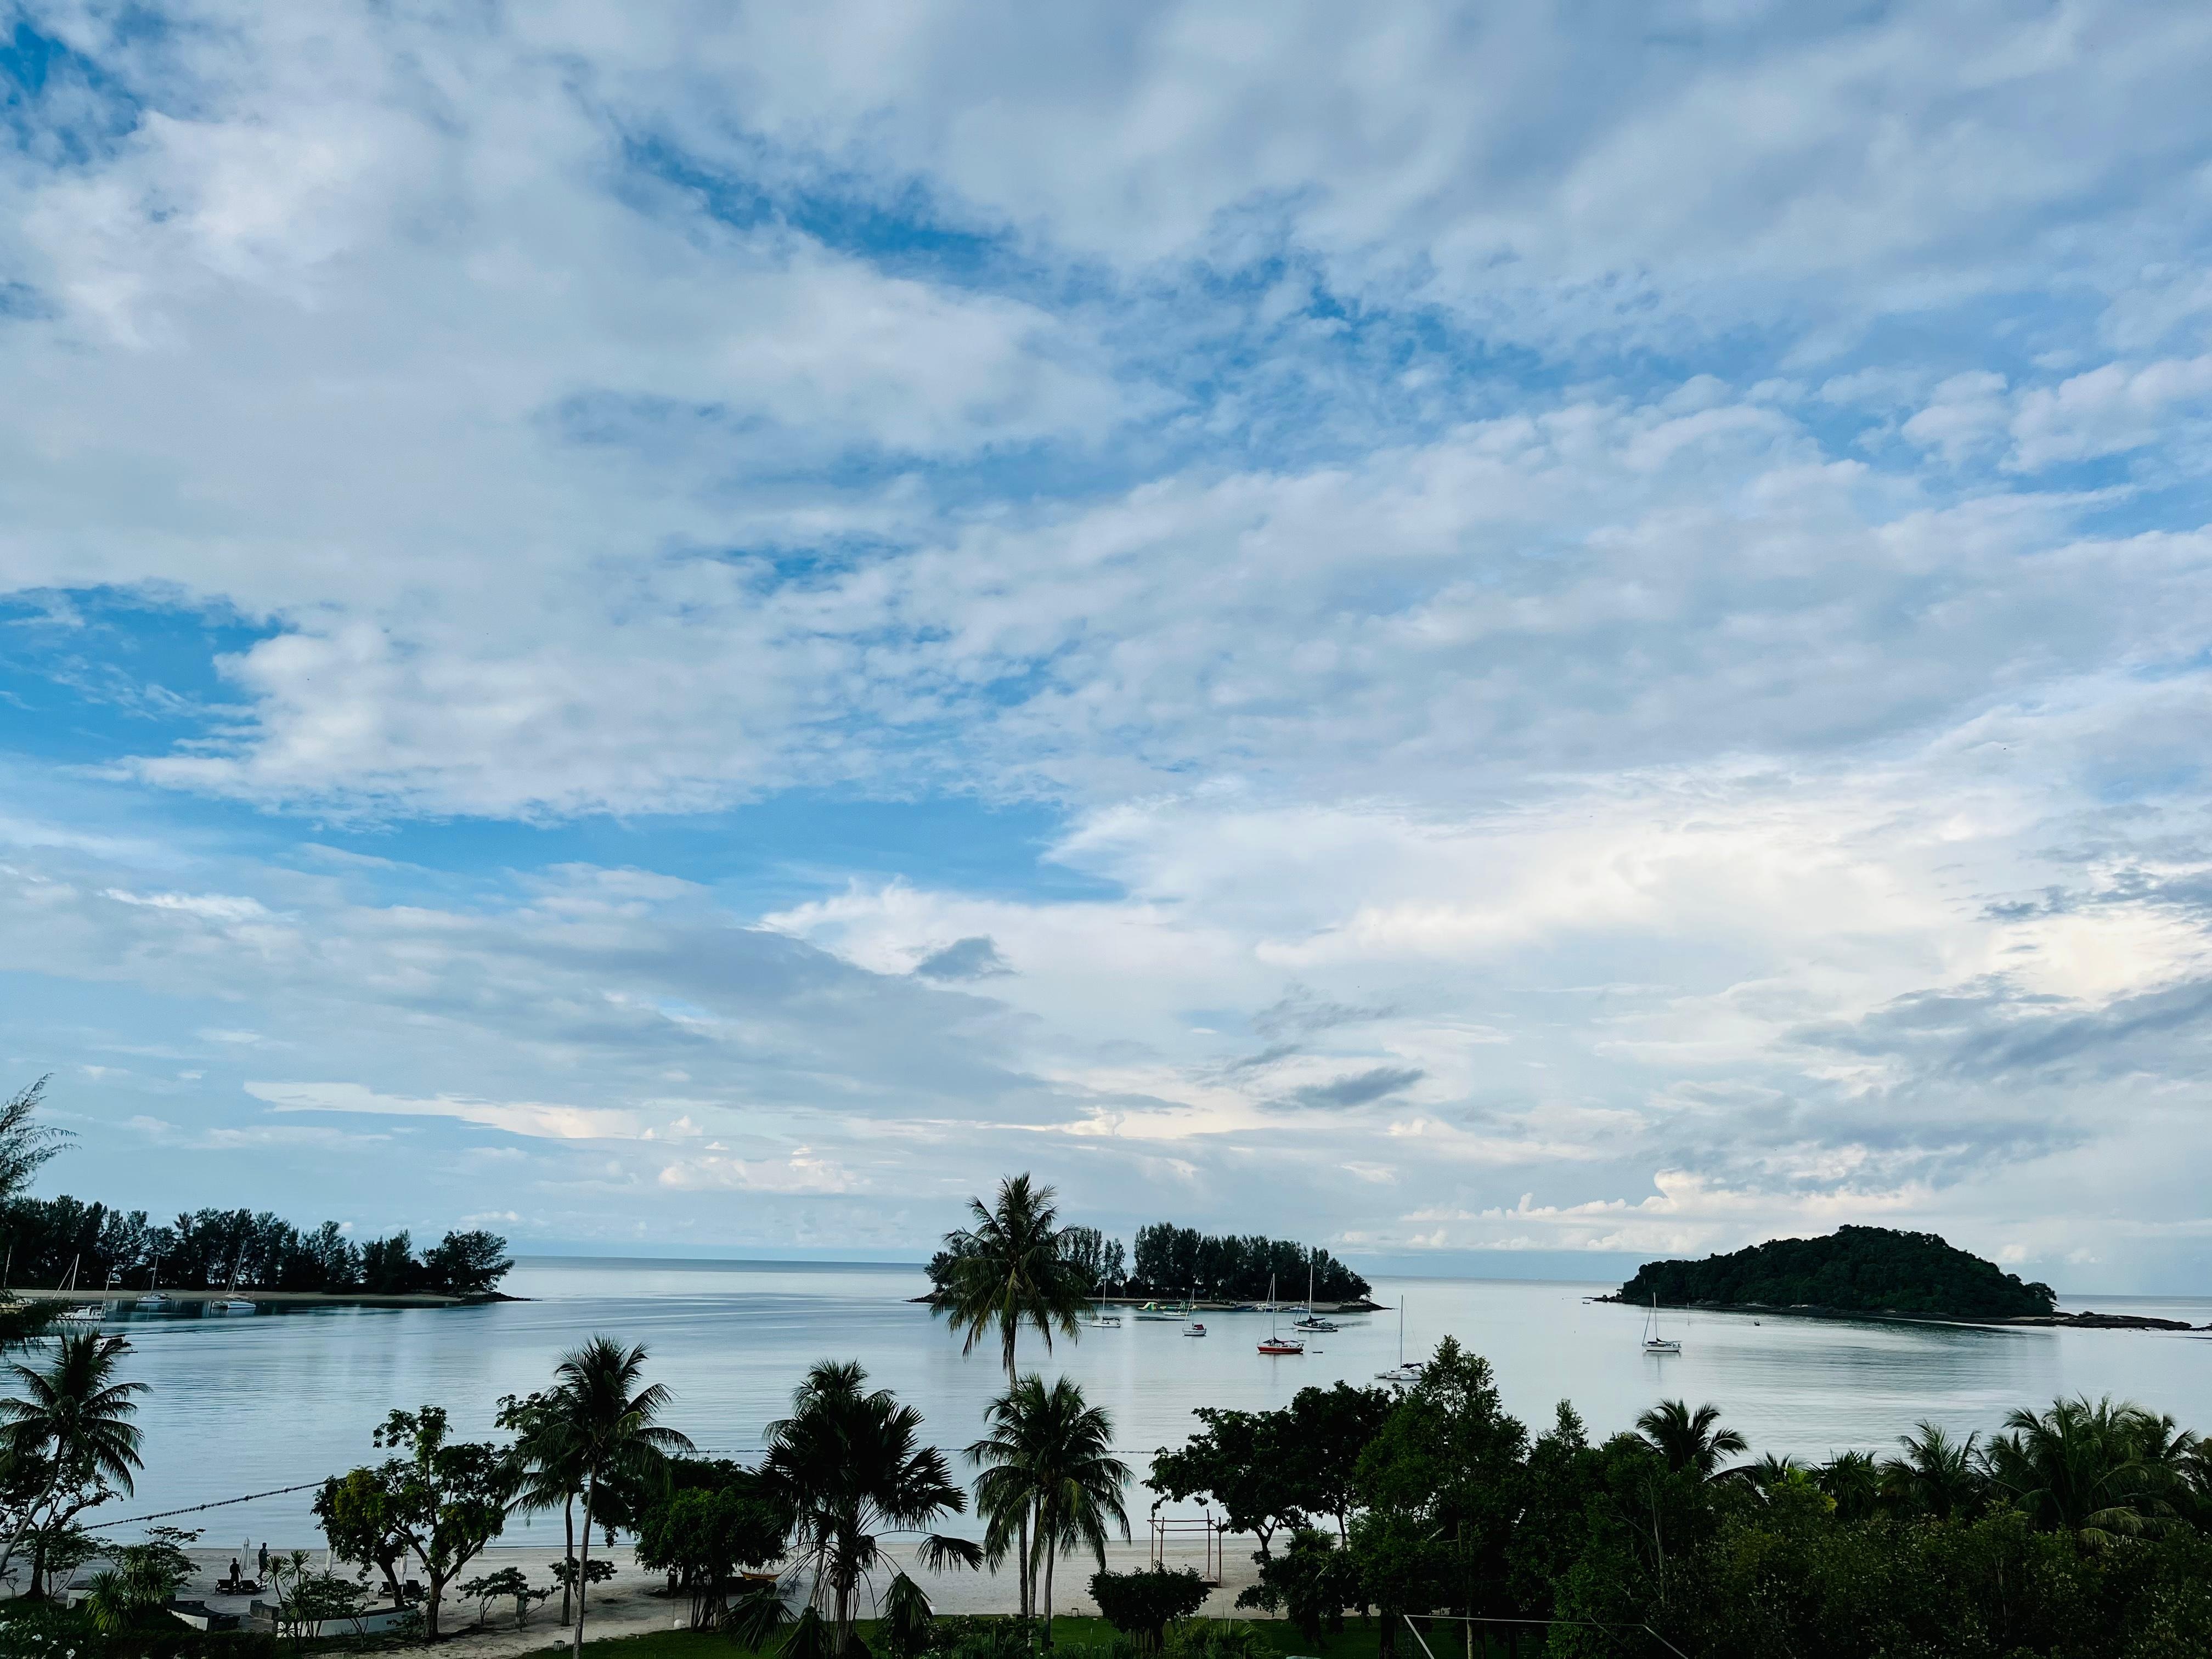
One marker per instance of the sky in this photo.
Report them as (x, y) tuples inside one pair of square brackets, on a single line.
[(1529, 634)]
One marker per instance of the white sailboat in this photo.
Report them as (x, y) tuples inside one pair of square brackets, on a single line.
[(1653, 1342), (153, 1301), (1276, 1342), (85, 1313), (1401, 1373), (231, 1303), (1311, 1320)]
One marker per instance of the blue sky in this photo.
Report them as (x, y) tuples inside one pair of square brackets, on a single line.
[(1552, 634)]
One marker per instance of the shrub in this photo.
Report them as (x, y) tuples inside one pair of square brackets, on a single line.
[(1143, 1604)]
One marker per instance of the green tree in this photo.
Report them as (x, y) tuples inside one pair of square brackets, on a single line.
[(1007, 1270), (1326, 1431), (848, 1466), (1689, 1440), (1852, 1481), (467, 1264), (610, 1418), (508, 1585), (2100, 1472), (1938, 1476), (307, 1600), (550, 1470), (1244, 1463), (1443, 1478), (1048, 1459), (144, 1578), (714, 1522), (1143, 1604), (441, 1501), (72, 1422)]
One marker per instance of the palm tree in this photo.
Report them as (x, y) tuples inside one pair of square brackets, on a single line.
[(1765, 1472), (550, 1466), (2103, 1471), (1687, 1439), (1937, 1476), (74, 1418), (848, 1465), (608, 1429), (1008, 1270), (1049, 1457), (1852, 1482)]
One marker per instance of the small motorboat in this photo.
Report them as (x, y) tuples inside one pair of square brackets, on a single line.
[(1194, 1329), (1098, 1321)]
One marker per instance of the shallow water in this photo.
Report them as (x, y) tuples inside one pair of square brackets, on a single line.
[(246, 1404)]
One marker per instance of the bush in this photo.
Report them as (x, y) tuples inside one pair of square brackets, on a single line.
[(1217, 1638), (1143, 1604)]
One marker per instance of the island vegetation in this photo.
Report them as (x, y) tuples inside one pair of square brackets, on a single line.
[(2081, 1530), (1873, 1270), (1172, 1261), (41, 1239)]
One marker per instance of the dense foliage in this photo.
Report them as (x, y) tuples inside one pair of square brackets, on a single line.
[(1143, 1604), (711, 1522), (1178, 1262), (1852, 1270), (200, 1251), (2083, 1531), (1171, 1260)]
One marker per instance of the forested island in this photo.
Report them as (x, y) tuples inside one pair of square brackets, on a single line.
[(1181, 1261), (210, 1250), (1870, 1270)]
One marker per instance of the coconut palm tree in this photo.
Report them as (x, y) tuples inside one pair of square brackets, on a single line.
[(1765, 1472), (1938, 1476), (1687, 1439), (1009, 1270), (1852, 1481), (849, 1466), (550, 1469), (73, 1419), (1048, 1458), (607, 1414), (2103, 1471)]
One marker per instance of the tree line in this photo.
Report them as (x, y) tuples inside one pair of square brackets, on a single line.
[(208, 1250), (41, 1239), (1177, 1261)]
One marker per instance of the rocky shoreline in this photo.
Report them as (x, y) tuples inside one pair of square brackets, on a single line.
[(2085, 1321)]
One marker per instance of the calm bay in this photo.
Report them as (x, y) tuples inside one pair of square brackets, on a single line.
[(248, 1404)]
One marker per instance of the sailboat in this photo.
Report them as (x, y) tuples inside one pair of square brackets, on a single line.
[(1312, 1321), (153, 1301), (1400, 1373), (1653, 1342), (85, 1313), (231, 1302), (1276, 1344)]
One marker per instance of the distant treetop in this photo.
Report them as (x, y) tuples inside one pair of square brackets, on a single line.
[(1852, 1270)]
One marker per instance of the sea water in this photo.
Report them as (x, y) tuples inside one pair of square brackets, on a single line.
[(244, 1405)]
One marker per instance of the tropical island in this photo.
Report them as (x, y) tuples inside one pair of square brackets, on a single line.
[(1865, 1270), (1179, 1262)]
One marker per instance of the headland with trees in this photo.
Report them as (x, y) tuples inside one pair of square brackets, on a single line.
[(43, 1239), (1864, 1272)]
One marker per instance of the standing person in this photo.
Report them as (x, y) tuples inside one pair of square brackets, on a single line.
[(234, 1569), (261, 1562)]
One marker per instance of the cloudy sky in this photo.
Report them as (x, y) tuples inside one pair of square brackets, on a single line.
[(1454, 632)]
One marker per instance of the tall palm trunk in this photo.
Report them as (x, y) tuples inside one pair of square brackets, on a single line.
[(1048, 1553), (583, 1562), (1029, 1605), (569, 1553)]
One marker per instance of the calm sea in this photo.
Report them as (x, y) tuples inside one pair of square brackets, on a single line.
[(246, 1405)]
